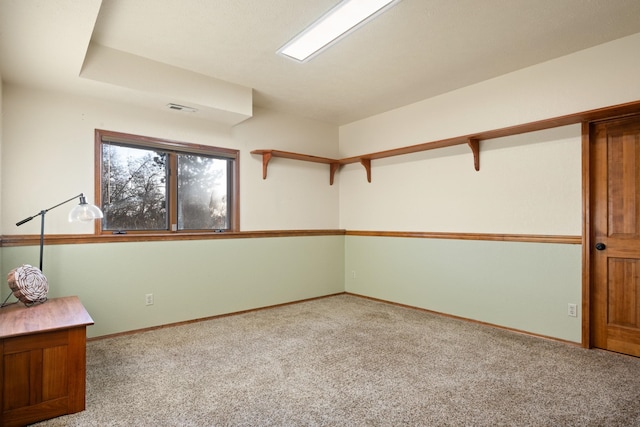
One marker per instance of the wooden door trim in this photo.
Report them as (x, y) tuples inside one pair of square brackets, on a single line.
[(587, 232)]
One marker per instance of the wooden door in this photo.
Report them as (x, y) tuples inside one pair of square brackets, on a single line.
[(615, 235)]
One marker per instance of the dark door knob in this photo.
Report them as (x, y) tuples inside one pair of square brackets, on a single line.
[(601, 246)]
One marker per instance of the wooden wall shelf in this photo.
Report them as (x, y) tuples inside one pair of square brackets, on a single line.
[(365, 160), (267, 155), (473, 141)]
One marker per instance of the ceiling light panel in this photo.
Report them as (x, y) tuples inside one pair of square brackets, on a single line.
[(335, 24)]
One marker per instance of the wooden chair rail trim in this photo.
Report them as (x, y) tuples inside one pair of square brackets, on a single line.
[(473, 140), (532, 238), (67, 239)]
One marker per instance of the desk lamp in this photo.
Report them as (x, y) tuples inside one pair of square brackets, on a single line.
[(29, 284)]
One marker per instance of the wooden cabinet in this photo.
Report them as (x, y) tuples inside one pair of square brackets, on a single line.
[(43, 366)]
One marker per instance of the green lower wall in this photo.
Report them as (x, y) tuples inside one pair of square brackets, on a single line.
[(189, 279), (524, 286)]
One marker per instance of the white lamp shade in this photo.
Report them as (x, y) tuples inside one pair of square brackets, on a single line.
[(85, 212)]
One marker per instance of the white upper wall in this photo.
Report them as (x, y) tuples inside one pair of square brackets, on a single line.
[(1, 133), (526, 184), (601, 76), (48, 156), (296, 195)]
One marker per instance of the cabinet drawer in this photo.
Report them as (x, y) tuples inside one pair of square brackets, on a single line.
[(36, 341)]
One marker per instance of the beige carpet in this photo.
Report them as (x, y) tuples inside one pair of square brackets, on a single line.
[(349, 361)]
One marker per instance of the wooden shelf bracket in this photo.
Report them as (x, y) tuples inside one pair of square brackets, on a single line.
[(334, 167), (266, 157), (474, 144), (367, 166)]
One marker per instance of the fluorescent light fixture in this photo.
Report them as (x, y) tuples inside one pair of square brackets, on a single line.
[(338, 22)]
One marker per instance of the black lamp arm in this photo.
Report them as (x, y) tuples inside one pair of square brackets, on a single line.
[(42, 214), (44, 211)]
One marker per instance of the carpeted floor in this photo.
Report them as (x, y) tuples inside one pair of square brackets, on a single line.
[(350, 361)]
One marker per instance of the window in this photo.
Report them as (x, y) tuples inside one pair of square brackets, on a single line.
[(148, 185)]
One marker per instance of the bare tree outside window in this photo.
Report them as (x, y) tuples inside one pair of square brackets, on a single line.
[(134, 188), (202, 192), (149, 185)]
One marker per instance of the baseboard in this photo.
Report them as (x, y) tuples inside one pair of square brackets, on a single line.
[(202, 319), (491, 325)]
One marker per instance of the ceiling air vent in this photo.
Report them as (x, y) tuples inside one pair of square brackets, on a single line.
[(179, 107)]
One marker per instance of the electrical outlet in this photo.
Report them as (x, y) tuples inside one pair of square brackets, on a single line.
[(353, 274), (148, 298), (572, 310)]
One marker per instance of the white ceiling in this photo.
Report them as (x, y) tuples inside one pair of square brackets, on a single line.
[(415, 50)]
